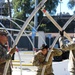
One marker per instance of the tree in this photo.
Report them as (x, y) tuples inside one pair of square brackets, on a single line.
[(23, 8), (50, 5), (9, 8), (71, 4), (4, 9)]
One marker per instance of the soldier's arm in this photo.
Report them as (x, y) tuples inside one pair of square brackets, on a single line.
[(57, 52), (68, 47), (63, 45), (35, 61), (4, 57), (39, 61)]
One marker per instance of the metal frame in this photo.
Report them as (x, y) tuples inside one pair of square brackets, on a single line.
[(22, 30)]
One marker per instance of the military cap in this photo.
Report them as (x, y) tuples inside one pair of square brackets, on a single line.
[(3, 32)]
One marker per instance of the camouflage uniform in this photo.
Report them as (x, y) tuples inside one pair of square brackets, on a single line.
[(71, 65), (3, 58), (39, 61), (68, 47)]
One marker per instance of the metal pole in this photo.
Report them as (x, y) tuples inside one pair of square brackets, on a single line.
[(9, 8), (74, 31), (35, 22), (34, 45), (9, 14), (36, 17), (60, 8), (49, 41)]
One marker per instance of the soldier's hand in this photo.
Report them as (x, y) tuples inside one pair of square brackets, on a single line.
[(12, 50), (61, 33)]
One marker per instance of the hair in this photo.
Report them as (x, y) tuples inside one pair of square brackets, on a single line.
[(44, 47), (3, 32)]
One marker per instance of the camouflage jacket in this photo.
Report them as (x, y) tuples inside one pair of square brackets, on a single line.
[(3, 58), (39, 61), (71, 48)]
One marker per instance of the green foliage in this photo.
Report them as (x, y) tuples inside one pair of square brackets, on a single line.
[(71, 4), (51, 6), (29, 27), (4, 11), (22, 8), (43, 27)]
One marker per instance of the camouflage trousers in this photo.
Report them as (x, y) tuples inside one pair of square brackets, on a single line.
[(6, 74), (9, 72), (39, 73), (72, 73)]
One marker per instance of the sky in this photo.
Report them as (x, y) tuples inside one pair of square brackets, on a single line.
[(64, 7)]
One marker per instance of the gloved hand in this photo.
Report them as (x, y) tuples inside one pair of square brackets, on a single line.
[(61, 33), (12, 50)]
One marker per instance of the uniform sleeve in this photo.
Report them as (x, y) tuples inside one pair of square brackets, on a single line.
[(68, 47), (39, 60), (4, 56), (57, 52)]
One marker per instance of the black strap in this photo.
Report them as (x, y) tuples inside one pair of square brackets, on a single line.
[(62, 33)]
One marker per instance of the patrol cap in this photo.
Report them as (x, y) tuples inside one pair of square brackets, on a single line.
[(44, 46), (3, 32)]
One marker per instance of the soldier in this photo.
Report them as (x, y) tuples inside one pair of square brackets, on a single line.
[(39, 59), (69, 47), (4, 54)]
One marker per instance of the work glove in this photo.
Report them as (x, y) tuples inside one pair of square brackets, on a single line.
[(12, 50)]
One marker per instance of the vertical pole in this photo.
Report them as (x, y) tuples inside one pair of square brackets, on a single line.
[(60, 8), (9, 13), (33, 44), (49, 41), (35, 22), (36, 17), (74, 32), (9, 8)]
